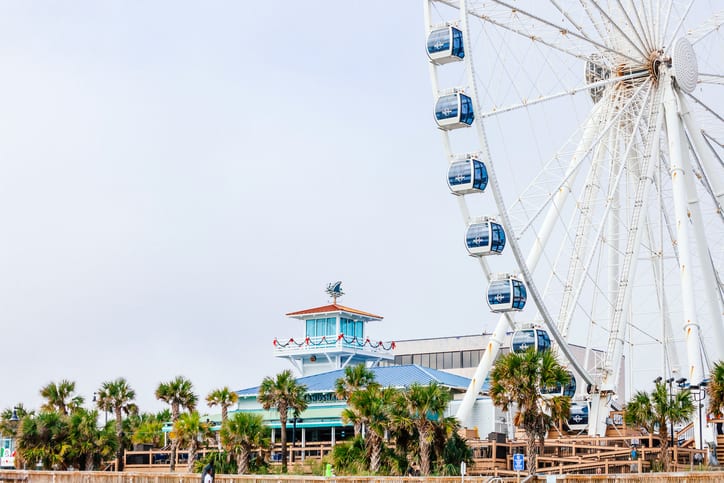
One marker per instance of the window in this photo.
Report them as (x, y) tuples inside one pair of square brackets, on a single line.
[(459, 173), (481, 175), (456, 360), (447, 360), (311, 331), (447, 107)]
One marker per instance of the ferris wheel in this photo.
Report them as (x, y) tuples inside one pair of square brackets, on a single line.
[(585, 147)]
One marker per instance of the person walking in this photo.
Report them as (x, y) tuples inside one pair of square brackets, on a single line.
[(208, 474)]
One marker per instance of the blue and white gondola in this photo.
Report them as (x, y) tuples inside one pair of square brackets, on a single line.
[(578, 418), (524, 339), (467, 176), (506, 295), (484, 238), (453, 111), (560, 390), (445, 45)]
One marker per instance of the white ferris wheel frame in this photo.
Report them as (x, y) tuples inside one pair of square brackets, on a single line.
[(671, 115)]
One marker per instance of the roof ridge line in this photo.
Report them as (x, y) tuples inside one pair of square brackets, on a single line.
[(423, 370)]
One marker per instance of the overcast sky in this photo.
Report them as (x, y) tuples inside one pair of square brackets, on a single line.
[(176, 176)]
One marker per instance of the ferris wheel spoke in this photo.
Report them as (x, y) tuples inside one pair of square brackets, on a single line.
[(644, 42), (628, 39), (710, 139), (680, 24), (706, 107), (555, 37), (711, 25), (562, 30), (648, 24), (570, 92), (711, 79), (551, 191), (566, 14)]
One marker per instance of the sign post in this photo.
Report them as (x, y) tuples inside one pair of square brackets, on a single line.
[(518, 463)]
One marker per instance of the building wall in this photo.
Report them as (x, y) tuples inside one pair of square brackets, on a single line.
[(461, 354)]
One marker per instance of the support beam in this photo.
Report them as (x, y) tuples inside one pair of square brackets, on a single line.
[(678, 152)]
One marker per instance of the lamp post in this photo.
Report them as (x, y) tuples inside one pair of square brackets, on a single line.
[(698, 394), (294, 435), (14, 417)]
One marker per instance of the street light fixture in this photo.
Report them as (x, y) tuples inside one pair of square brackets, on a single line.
[(14, 416), (698, 394)]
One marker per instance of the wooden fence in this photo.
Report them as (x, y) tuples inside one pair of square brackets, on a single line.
[(19, 476)]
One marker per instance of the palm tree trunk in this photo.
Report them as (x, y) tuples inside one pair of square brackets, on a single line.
[(119, 438), (242, 461), (375, 450), (172, 466), (530, 448), (664, 436), (174, 417), (89, 462), (283, 421), (193, 447), (424, 454)]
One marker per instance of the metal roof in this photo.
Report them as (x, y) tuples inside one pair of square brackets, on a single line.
[(392, 376), (333, 308)]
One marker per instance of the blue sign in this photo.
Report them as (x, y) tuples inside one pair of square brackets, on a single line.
[(518, 462)]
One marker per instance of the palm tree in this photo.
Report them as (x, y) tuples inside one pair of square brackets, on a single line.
[(43, 439), (177, 393), (117, 396), (423, 406), (225, 398), (87, 444), (59, 397), (188, 430), (241, 434), (650, 410), (149, 428), (716, 389), (283, 393), (355, 378), (371, 406), (516, 381), (222, 397)]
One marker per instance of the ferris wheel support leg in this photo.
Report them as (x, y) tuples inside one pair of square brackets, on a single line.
[(678, 153), (707, 267), (707, 161), (597, 414)]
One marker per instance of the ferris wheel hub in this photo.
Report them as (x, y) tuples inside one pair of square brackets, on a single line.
[(686, 69)]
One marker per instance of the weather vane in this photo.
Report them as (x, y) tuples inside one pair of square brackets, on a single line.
[(334, 290)]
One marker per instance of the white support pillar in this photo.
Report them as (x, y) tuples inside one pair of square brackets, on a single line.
[(677, 153), (708, 164), (710, 284)]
